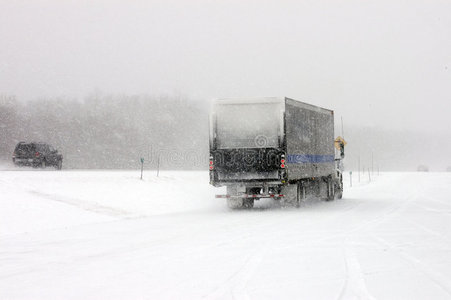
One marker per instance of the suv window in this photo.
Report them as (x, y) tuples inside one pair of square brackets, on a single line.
[(23, 149)]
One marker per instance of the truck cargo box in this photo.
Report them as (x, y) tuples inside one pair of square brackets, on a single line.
[(269, 139)]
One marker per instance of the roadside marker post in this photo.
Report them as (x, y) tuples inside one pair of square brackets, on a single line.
[(359, 168), (142, 167), (158, 165)]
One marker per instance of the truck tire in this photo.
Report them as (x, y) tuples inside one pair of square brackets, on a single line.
[(301, 194), (331, 190), (59, 165), (339, 194), (339, 188), (248, 203)]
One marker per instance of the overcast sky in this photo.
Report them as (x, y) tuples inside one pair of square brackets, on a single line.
[(376, 63)]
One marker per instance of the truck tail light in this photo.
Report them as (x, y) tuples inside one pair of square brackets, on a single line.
[(211, 163), (282, 161)]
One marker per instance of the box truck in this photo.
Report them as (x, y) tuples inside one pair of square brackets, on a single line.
[(276, 148)]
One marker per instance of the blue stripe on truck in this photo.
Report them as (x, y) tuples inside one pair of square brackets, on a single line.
[(309, 158)]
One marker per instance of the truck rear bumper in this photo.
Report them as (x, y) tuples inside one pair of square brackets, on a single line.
[(26, 161), (248, 183), (251, 196)]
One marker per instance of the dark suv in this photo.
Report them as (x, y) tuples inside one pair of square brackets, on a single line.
[(37, 155)]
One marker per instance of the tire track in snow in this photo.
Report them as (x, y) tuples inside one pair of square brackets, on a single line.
[(354, 285), (236, 284), (354, 279)]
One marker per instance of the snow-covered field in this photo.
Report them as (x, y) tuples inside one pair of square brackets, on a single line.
[(109, 235)]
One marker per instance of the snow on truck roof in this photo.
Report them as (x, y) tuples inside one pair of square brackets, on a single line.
[(281, 100)]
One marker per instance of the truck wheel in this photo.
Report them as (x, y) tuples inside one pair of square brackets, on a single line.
[(248, 203), (300, 194), (331, 190), (59, 165), (339, 193), (339, 188)]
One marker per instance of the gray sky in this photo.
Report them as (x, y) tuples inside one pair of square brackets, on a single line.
[(377, 63)]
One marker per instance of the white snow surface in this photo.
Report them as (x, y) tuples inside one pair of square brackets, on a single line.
[(109, 235)]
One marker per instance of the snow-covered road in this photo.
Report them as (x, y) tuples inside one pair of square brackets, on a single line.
[(109, 235)]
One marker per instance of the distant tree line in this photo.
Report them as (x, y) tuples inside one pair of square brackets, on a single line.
[(111, 131), (115, 131)]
